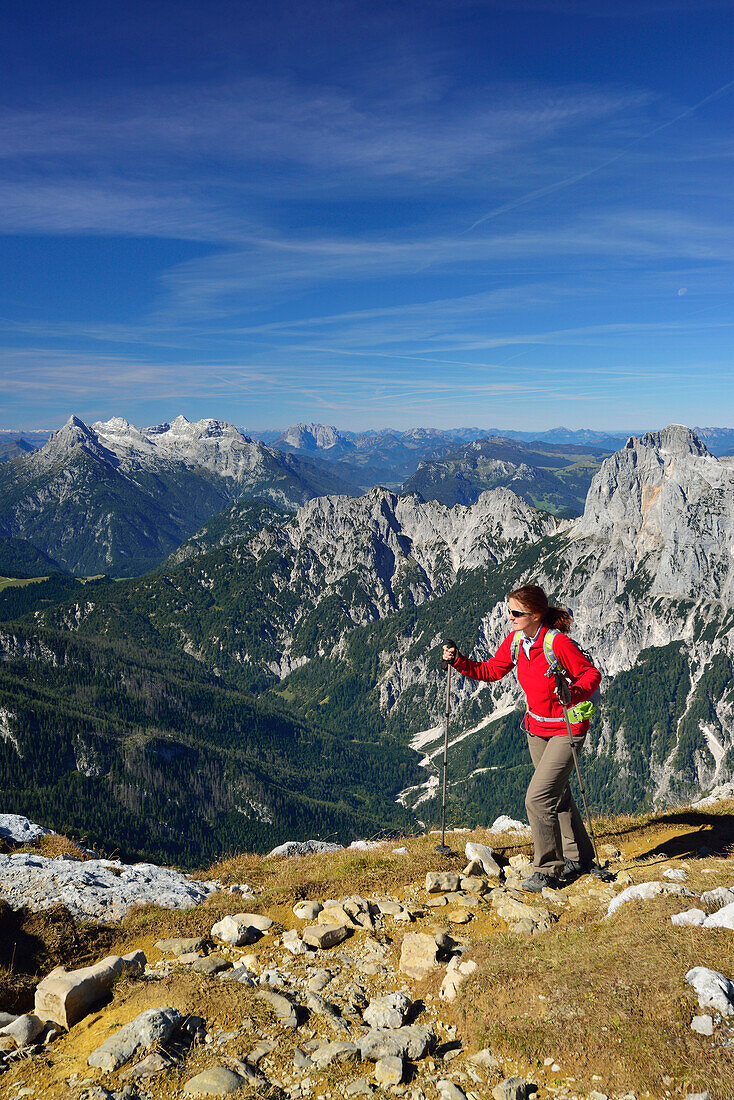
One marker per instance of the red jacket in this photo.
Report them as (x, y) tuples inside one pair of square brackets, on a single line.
[(539, 688)]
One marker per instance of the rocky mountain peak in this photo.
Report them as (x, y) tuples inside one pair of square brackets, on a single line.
[(74, 434), (676, 439), (383, 534), (663, 505), (309, 437), (114, 424)]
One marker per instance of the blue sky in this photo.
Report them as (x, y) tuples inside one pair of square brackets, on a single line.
[(513, 214)]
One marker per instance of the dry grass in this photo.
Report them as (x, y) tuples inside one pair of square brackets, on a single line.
[(606, 998), (32, 944), (54, 846)]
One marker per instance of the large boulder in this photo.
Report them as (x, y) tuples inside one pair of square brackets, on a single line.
[(241, 928), (152, 1027), (65, 997)]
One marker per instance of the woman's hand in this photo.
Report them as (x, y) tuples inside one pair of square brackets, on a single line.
[(450, 653), (563, 691)]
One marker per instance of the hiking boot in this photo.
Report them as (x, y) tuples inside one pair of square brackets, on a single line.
[(573, 869), (538, 881)]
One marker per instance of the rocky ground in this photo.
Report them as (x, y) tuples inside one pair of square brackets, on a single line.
[(300, 985)]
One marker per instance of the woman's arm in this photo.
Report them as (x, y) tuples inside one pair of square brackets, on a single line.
[(493, 669), (585, 677)]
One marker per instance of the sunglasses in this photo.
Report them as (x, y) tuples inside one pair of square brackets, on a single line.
[(518, 614)]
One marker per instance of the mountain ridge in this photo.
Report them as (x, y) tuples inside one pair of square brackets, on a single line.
[(113, 498)]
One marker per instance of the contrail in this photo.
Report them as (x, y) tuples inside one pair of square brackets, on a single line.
[(605, 164)]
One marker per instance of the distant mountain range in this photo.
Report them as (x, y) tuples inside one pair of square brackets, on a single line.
[(116, 499), (112, 498), (552, 476), (418, 443)]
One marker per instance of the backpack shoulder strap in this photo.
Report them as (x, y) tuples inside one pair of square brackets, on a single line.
[(515, 645), (550, 656)]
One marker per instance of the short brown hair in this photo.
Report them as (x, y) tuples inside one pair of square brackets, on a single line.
[(533, 598)]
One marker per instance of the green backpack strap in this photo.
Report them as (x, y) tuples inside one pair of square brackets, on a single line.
[(515, 646), (553, 662)]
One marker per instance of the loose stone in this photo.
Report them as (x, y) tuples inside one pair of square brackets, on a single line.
[(180, 945), (324, 936), (360, 1087), (486, 1059), (512, 1088), (265, 1046), (417, 954), (474, 884), (307, 910), (24, 1030), (321, 1007), (319, 979), (293, 943), (714, 990), (459, 916), (284, 1009), (328, 1053), (485, 856), (389, 1071), (389, 1011), (241, 929), (441, 882), (238, 974), (211, 964), (216, 1081), (155, 1063), (704, 1025), (447, 1090)]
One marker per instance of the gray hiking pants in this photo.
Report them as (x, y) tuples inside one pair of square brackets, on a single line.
[(556, 824)]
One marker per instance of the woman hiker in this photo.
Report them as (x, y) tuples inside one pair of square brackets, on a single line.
[(563, 850)]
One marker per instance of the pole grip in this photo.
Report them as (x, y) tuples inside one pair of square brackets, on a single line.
[(445, 664)]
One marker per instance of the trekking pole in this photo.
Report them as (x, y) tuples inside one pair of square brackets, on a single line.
[(562, 693), (443, 848)]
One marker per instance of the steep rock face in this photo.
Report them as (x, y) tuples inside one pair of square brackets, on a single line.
[(267, 604), (666, 499), (658, 525), (376, 531)]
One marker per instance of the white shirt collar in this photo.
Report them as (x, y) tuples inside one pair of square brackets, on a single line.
[(527, 643)]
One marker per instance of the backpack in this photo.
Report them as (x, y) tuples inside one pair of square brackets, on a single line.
[(581, 712)]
